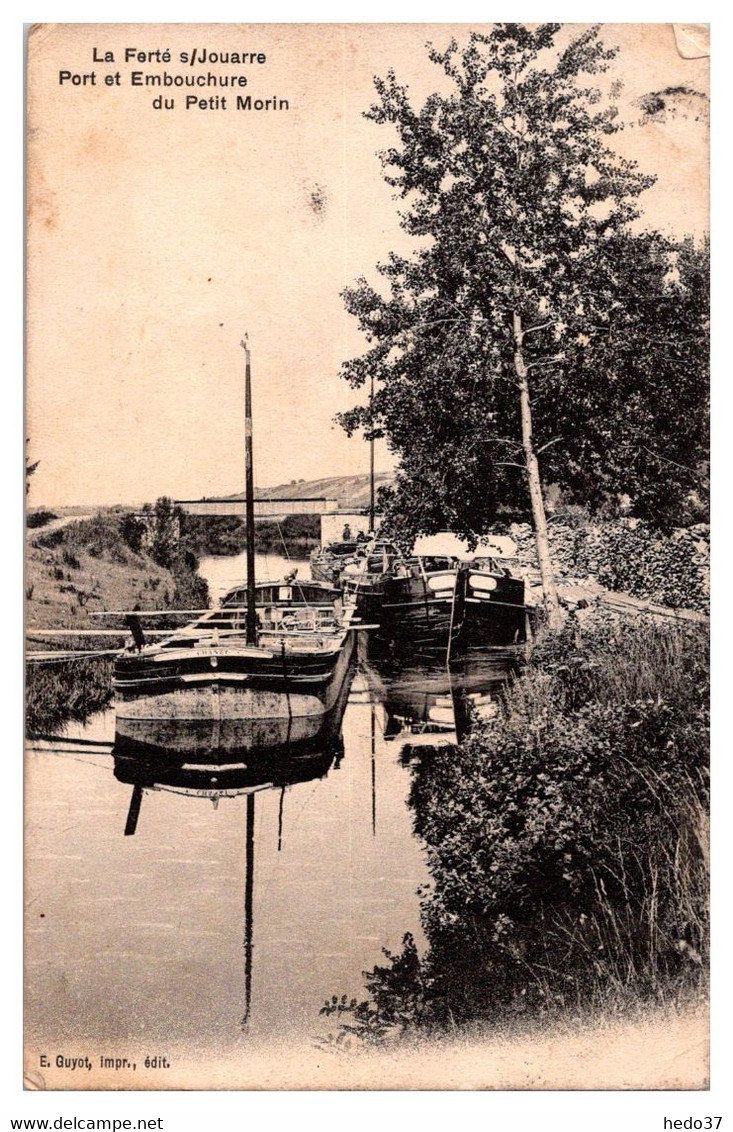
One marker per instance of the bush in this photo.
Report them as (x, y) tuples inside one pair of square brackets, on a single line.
[(40, 519), (556, 861), (567, 839), (133, 531), (99, 536), (628, 555), (631, 556), (191, 590)]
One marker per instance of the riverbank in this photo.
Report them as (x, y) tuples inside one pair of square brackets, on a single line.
[(663, 1048), (73, 571), (567, 840), (86, 566)]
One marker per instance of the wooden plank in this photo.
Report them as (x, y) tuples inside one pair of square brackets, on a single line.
[(150, 612), (625, 603), (33, 632), (621, 602)]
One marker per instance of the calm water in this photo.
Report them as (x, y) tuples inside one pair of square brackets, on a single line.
[(224, 572), (228, 919)]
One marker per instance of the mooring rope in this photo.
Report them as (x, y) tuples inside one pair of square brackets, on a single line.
[(57, 657), (306, 603)]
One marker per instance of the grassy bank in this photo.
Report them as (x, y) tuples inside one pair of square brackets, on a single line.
[(62, 691), (660, 1048), (567, 843), (90, 565)]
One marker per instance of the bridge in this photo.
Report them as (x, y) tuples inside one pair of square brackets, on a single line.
[(334, 520), (264, 508)]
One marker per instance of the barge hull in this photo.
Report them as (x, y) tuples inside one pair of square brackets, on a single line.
[(216, 695)]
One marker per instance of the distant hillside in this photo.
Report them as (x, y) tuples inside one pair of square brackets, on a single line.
[(352, 492)]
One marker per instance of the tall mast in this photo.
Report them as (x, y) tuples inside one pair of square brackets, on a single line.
[(371, 463), (249, 504)]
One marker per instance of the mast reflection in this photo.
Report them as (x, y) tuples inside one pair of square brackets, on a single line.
[(229, 780), (434, 704), (249, 878), (213, 760)]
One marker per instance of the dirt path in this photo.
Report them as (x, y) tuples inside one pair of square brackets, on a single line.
[(666, 1050), (56, 524)]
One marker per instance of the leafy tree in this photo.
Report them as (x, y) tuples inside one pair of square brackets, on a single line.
[(29, 470), (133, 532), (165, 531), (632, 407), (160, 530), (519, 207)]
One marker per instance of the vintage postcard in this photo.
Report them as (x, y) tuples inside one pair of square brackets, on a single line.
[(367, 557)]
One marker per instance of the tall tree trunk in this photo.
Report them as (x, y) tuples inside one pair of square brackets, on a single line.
[(539, 519)]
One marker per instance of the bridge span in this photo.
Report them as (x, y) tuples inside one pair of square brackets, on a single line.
[(264, 508)]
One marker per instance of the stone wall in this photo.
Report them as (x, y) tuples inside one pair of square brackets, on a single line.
[(630, 556)]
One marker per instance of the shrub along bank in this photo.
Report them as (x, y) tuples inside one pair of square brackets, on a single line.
[(293, 535), (567, 842), (60, 691), (36, 519)]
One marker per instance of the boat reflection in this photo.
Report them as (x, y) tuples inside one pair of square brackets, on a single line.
[(239, 771), (253, 770), (215, 759), (434, 704)]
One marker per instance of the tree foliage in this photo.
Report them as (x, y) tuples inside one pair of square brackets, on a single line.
[(521, 213), (30, 468), (634, 415)]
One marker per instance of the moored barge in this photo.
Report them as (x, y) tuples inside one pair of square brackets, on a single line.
[(208, 670), (274, 656)]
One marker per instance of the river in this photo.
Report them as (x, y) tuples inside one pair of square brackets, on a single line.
[(222, 926)]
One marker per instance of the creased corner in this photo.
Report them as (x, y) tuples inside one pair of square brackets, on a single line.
[(693, 40)]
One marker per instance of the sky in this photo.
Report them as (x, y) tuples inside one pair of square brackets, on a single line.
[(157, 238)]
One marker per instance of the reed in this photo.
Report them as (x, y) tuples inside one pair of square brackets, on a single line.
[(567, 841), (65, 690)]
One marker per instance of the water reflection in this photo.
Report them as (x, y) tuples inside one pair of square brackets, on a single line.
[(262, 770), (215, 759), (216, 781), (237, 886), (429, 703)]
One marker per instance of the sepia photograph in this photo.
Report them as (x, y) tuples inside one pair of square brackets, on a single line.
[(367, 549)]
